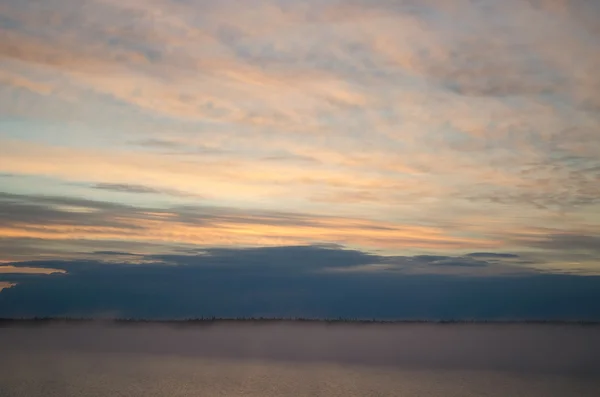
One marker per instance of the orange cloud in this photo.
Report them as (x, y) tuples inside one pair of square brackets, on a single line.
[(342, 231), (6, 285), (21, 82), (28, 270), (238, 229), (227, 176)]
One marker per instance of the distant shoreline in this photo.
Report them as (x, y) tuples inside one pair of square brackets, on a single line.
[(35, 321)]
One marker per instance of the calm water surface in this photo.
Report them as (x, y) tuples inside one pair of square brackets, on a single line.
[(300, 360)]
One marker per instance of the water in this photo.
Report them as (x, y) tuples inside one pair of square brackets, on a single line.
[(300, 360)]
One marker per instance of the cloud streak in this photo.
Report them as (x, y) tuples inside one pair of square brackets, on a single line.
[(27, 270), (57, 218), (138, 189)]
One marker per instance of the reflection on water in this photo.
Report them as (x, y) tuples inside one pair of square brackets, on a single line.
[(300, 360)]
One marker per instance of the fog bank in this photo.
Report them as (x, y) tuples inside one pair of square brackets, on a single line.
[(564, 349)]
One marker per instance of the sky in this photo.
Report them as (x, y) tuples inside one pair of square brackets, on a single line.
[(455, 139)]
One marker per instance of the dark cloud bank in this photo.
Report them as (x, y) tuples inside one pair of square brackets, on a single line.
[(310, 281)]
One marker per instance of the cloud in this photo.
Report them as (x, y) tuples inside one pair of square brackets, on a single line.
[(22, 273), (566, 241), (15, 249), (472, 265), (430, 258), (114, 253), (240, 176), (54, 227), (21, 82), (460, 263), (492, 255), (293, 281), (28, 270), (140, 189), (6, 285), (304, 259), (124, 188), (63, 218)]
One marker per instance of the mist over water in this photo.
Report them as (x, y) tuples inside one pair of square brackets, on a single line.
[(281, 359)]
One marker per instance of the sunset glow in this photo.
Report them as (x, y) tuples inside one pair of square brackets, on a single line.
[(396, 127)]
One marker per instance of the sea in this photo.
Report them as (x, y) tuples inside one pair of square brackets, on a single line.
[(264, 359)]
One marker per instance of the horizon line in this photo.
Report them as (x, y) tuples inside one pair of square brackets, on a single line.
[(217, 320)]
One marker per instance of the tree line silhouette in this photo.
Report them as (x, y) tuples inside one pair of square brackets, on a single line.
[(271, 320)]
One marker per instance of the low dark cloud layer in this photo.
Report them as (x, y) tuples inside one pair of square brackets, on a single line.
[(295, 282)]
